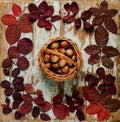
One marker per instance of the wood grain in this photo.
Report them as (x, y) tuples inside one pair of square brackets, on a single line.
[(40, 37)]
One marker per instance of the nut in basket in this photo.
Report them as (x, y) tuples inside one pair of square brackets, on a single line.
[(60, 59)]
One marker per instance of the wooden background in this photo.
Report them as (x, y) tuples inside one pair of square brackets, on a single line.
[(40, 36)]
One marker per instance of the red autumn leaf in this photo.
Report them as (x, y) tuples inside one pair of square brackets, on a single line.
[(93, 59), (110, 51), (68, 18), (91, 94), (43, 7), (13, 52), (25, 46), (94, 11), (16, 9), (39, 100), (22, 63), (111, 25), (45, 117), (6, 109), (35, 112), (101, 36), (93, 108), (100, 72), (77, 22), (98, 20), (103, 6), (107, 62), (55, 18), (42, 22), (8, 19), (74, 8), (26, 108), (57, 99), (24, 24), (111, 12), (34, 15), (32, 7), (39, 93), (46, 106), (92, 49), (67, 7), (15, 72), (12, 34), (61, 111), (29, 88), (49, 12), (87, 26), (7, 63), (103, 115), (86, 15), (48, 25), (27, 97), (80, 115)]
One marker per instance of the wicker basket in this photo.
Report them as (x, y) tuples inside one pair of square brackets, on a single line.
[(50, 73)]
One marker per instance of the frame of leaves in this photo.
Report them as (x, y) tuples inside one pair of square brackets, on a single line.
[(19, 22)]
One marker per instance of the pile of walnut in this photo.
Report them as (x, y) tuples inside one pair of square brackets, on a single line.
[(59, 56)]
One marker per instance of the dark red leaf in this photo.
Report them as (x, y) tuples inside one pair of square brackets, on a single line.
[(16, 9), (68, 18), (69, 100), (39, 100), (33, 16), (35, 112), (109, 79), (6, 110), (87, 26), (7, 101), (25, 46), (100, 72), (17, 115), (67, 7), (111, 89), (8, 91), (45, 117), (46, 106), (111, 25), (22, 63), (39, 93), (94, 108), (77, 22), (110, 51), (6, 72), (15, 72), (80, 115), (91, 94), (111, 12), (103, 6), (49, 12), (27, 97), (26, 108), (74, 7), (24, 24), (94, 11), (94, 59), (18, 80), (32, 7), (92, 49), (7, 63), (86, 15), (13, 52), (98, 20), (42, 22), (101, 36), (43, 7), (8, 19), (57, 99), (61, 111), (55, 18), (29, 88), (17, 96), (19, 87), (12, 34), (5, 84), (16, 104), (107, 62), (102, 88), (48, 25)]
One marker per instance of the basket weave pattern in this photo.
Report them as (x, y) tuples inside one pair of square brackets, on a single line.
[(51, 74)]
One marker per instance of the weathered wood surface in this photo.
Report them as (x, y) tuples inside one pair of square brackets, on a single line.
[(40, 36)]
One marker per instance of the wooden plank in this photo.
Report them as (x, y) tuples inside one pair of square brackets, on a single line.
[(40, 37)]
